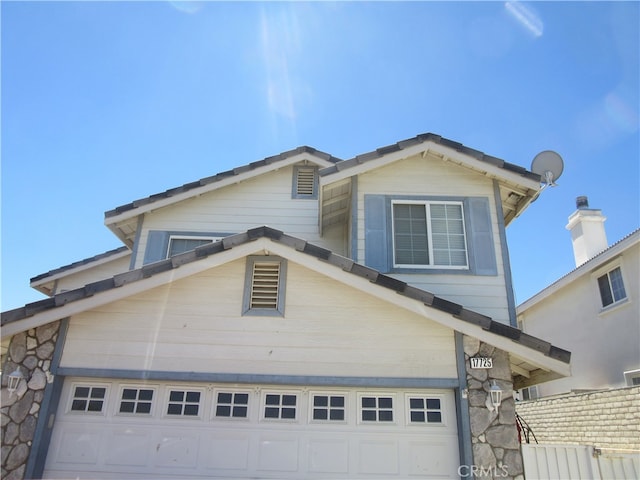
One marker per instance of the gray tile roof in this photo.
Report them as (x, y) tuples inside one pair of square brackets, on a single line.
[(429, 137), (218, 177), (79, 263), (339, 165), (348, 265)]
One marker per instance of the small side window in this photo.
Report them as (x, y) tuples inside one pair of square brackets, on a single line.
[(611, 286)]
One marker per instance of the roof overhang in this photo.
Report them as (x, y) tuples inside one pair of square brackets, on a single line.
[(532, 359), (518, 187)]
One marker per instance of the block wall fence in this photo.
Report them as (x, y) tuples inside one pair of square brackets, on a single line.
[(607, 419)]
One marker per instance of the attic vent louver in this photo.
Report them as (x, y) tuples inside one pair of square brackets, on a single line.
[(305, 181), (264, 285)]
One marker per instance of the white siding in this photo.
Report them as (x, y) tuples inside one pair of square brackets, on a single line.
[(264, 200), (93, 274), (195, 324), (431, 176)]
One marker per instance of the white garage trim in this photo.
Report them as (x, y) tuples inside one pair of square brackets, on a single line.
[(386, 382)]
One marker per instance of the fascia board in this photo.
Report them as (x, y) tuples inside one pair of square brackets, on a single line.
[(133, 288), (195, 192), (80, 268), (532, 356), (486, 167), (584, 269)]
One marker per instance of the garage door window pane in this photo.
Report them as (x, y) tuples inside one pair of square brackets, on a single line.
[(425, 410), (376, 409), (136, 400), (328, 407), (280, 406), (232, 405), (184, 403), (88, 399)]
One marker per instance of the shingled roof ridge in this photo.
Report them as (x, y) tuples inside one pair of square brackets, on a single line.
[(346, 264), (219, 176)]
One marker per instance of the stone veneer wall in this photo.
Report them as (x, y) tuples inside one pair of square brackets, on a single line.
[(32, 352), (494, 435), (604, 419)]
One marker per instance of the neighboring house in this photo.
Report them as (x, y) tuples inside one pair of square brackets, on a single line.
[(594, 311), (333, 343)]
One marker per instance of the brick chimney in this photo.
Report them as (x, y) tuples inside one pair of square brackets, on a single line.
[(587, 231)]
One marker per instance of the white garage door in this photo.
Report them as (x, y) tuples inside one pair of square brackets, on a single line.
[(123, 429)]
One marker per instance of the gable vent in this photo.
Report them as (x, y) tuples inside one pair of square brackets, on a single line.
[(305, 181), (264, 285)]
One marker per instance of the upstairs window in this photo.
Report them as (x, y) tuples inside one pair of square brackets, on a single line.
[(611, 287), (305, 182), (180, 244), (264, 286), (429, 234)]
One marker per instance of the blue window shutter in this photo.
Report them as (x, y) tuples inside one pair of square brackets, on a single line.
[(482, 251), (157, 243), (375, 232)]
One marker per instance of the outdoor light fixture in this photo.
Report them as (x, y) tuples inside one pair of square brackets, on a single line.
[(14, 380), (496, 395)]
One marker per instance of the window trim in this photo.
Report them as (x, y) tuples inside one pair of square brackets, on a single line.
[(606, 270), (630, 375), (248, 285), (427, 204), (294, 183)]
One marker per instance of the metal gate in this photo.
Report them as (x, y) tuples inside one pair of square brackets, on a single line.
[(578, 462)]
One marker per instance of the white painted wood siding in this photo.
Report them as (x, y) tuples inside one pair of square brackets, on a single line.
[(93, 274), (195, 324), (264, 200), (431, 176)]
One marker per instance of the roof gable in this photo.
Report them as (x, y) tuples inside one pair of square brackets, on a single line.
[(529, 350)]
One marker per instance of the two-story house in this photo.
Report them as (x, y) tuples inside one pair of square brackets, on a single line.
[(593, 310), (297, 317)]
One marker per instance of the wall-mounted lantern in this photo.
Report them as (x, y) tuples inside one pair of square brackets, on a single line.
[(496, 395), (13, 380)]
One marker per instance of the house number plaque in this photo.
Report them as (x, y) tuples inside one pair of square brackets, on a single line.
[(481, 362)]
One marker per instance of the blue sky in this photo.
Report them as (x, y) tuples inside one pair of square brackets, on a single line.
[(104, 103)]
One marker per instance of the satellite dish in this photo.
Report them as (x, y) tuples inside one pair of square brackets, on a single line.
[(549, 166)]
